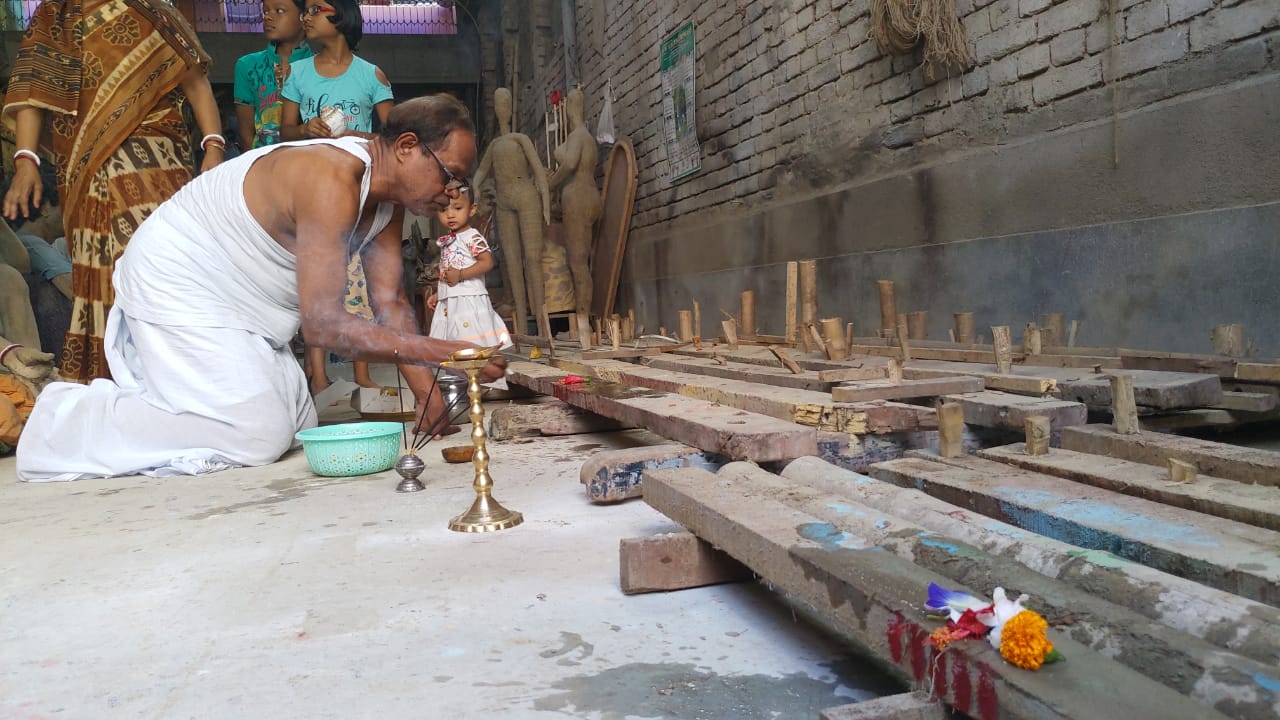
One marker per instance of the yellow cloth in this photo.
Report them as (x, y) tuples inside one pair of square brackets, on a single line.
[(16, 402)]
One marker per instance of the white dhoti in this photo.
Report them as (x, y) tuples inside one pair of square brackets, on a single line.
[(184, 401), (197, 343)]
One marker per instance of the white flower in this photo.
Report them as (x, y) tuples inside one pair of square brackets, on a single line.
[(1003, 609)]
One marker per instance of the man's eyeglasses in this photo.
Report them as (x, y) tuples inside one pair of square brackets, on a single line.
[(453, 184)]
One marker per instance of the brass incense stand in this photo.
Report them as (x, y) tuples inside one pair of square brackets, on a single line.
[(486, 514)]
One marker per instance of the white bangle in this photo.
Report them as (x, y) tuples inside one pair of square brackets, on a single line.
[(29, 154), (213, 137)]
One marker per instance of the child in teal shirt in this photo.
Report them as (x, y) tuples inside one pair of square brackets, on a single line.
[(335, 77), (260, 75)]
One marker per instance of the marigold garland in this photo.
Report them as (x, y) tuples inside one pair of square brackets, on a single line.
[(1024, 643)]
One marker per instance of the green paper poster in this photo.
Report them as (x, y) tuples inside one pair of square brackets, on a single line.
[(684, 155)]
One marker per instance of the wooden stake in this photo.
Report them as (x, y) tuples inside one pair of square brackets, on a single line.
[(809, 298), (894, 371), (573, 326), (1051, 332), (815, 339), (630, 332), (950, 429), (686, 325), (918, 325), (1181, 472), (888, 308), (790, 332), (584, 330), (1071, 334), (951, 332), (1124, 411), (1229, 340), (848, 339), (1031, 340), (785, 359), (697, 321), (730, 333), (615, 332), (1038, 429), (746, 302), (903, 343), (1003, 348), (833, 334), (544, 326), (964, 327)]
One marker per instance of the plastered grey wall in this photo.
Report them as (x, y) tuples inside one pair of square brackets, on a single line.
[(1118, 167)]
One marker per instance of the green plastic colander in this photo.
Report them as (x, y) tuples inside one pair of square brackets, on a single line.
[(351, 449)]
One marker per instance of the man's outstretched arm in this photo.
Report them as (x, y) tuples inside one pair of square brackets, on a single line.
[(326, 210)]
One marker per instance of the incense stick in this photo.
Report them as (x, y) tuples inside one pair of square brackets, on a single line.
[(404, 437)]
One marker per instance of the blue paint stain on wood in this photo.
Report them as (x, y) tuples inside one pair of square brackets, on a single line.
[(950, 548), (1097, 517), (830, 537), (619, 482)]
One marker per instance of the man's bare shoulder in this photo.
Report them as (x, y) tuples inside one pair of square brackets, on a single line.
[(314, 164)]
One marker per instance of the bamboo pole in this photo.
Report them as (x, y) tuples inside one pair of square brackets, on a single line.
[(792, 272), (748, 314), (918, 325), (1051, 330), (888, 308), (1031, 340), (964, 327), (1228, 339), (686, 325), (833, 334), (809, 298)]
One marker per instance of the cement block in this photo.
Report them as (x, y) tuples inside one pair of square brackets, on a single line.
[(674, 561), (907, 706)]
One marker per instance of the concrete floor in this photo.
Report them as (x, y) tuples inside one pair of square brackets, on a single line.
[(274, 593)]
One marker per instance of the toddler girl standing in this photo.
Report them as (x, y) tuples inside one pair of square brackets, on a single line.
[(461, 301)]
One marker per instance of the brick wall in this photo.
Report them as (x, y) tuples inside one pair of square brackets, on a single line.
[(801, 118), (783, 84)]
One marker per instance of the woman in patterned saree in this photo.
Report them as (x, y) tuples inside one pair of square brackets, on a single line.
[(101, 86)]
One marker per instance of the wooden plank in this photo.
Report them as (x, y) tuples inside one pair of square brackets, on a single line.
[(674, 561), (1025, 384), (1231, 556), (983, 353), (1254, 628), (805, 407), (864, 391), (803, 380), (766, 356), (1177, 362), (1121, 631), (1247, 401), (618, 354), (1152, 389), (872, 599), (609, 248), (1253, 504), (994, 409), (731, 432), (545, 418), (1232, 462), (1258, 372), (785, 358), (611, 476), (876, 372)]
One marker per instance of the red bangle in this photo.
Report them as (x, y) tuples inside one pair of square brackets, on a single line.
[(28, 154), (5, 351)]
